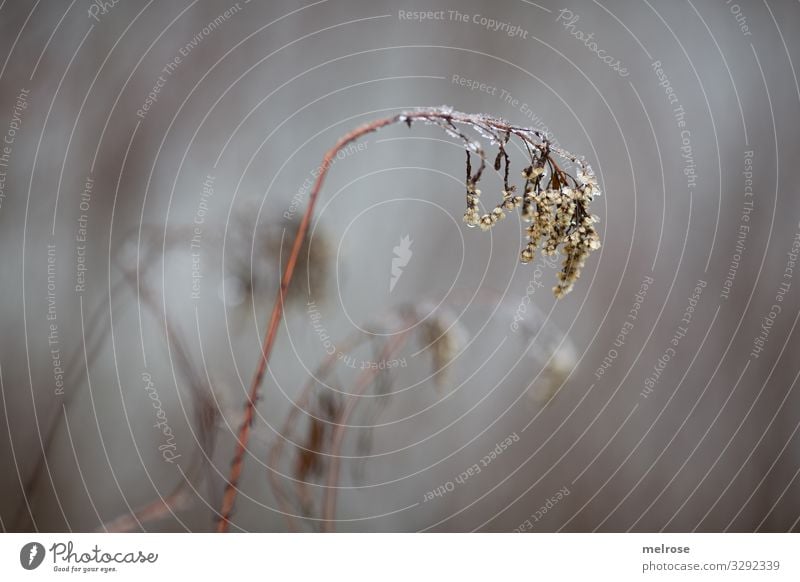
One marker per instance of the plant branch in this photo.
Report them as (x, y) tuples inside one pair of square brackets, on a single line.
[(489, 128)]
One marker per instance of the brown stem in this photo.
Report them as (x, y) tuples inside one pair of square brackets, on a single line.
[(445, 119), (329, 506), (160, 508), (290, 421), (231, 489)]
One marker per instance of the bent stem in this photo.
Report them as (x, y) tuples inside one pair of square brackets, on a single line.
[(231, 488), (498, 132)]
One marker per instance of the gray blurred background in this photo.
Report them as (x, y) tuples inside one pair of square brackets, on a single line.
[(117, 327)]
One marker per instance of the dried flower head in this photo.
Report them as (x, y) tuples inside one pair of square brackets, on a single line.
[(444, 336), (257, 251), (555, 203), (558, 218)]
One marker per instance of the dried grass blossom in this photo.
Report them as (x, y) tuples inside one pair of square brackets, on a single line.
[(554, 203)]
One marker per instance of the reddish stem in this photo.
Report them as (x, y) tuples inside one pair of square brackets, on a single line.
[(231, 489), (446, 120), (329, 505), (290, 421)]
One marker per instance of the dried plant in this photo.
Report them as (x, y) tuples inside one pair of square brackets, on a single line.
[(205, 409), (83, 356), (317, 441), (308, 450), (257, 251), (444, 337), (551, 199)]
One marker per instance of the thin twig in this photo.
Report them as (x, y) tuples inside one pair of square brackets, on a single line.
[(231, 489), (444, 118), (299, 405), (329, 506)]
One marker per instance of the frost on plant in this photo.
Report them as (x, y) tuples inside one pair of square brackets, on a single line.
[(555, 203), (551, 200)]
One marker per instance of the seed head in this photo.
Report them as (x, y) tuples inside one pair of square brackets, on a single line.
[(555, 203)]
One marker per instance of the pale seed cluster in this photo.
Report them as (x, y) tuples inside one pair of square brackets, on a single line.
[(553, 203)]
